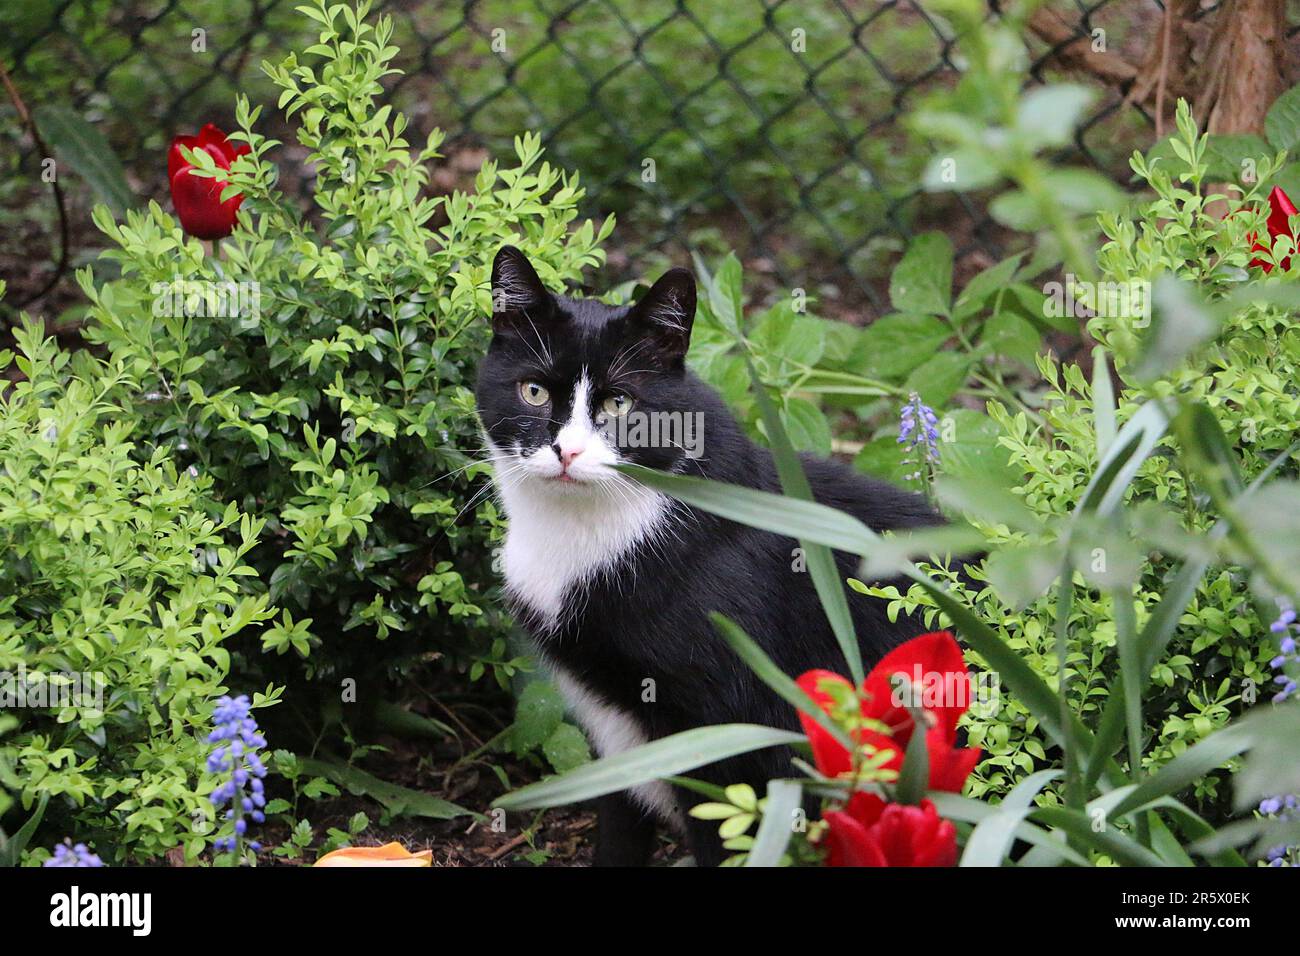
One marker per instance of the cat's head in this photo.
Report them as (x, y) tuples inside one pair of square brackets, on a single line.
[(570, 387)]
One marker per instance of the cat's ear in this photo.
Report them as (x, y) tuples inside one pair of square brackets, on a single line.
[(667, 311), (517, 292)]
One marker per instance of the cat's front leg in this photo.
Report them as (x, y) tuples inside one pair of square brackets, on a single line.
[(704, 843), (625, 832)]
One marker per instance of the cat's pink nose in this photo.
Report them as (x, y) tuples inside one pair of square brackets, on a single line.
[(567, 453)]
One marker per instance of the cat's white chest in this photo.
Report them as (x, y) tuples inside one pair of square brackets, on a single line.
[(557, 542)]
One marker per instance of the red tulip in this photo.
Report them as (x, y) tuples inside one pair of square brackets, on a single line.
[(934, 678), (1280, 209), (899, 835), (198, 198)]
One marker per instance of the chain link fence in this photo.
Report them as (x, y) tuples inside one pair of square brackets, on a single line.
[(770, 126)]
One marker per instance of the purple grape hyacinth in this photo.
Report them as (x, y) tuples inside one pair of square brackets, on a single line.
[(238, 740), (1282, 808), (914, 413), (68, 854), (918, 429), (1286, 807), (1284, 627)]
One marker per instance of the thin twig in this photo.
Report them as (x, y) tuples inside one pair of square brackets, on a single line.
[(505, 848), (1166, 41), (26, 117)]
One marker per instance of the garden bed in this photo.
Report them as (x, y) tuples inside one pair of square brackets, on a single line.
[(246, 503)]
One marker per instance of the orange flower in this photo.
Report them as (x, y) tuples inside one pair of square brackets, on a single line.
[(390, 854)]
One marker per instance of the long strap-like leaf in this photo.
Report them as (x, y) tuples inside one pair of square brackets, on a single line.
[(987, 845), (783, 799), (825, 574), (664, 757)]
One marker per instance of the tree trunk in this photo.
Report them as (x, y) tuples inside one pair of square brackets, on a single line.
[(1243, 72)]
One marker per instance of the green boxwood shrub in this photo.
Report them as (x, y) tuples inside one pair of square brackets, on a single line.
[(116, 590)]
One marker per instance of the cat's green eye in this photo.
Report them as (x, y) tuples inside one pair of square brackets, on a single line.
[(533, 394), (616, 406)]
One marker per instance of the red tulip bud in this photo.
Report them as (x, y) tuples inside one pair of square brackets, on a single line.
[(1280, 209), (198, 198)]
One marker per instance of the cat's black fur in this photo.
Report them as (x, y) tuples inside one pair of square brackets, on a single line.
[(647, 618)]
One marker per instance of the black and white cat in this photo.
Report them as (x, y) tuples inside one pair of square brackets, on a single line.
[(614, 581)]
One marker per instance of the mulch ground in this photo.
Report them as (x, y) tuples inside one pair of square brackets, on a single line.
[(563, 836), (467, 767)]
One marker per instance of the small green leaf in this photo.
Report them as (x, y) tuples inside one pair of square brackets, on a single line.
[(1013, 336), (1049, 115), (940, 378), (735, 826), (806, 426), (714, 811), (984, 498), (984, 285), (537, 715), (566, 748)]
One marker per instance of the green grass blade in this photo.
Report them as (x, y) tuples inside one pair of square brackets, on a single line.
[(825, 573), (1109, 840), (769, 512), (762, 509), (83, 147), (665, 757), (784, 797), (1103, 400), (397, 800), (969, 810), (914, 777), (1130, 665), (1188, 767), (775, 678), (1135, 441), (1014, 672), (1195, 828), (992, 837), (11, 849), (1159, 631)]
